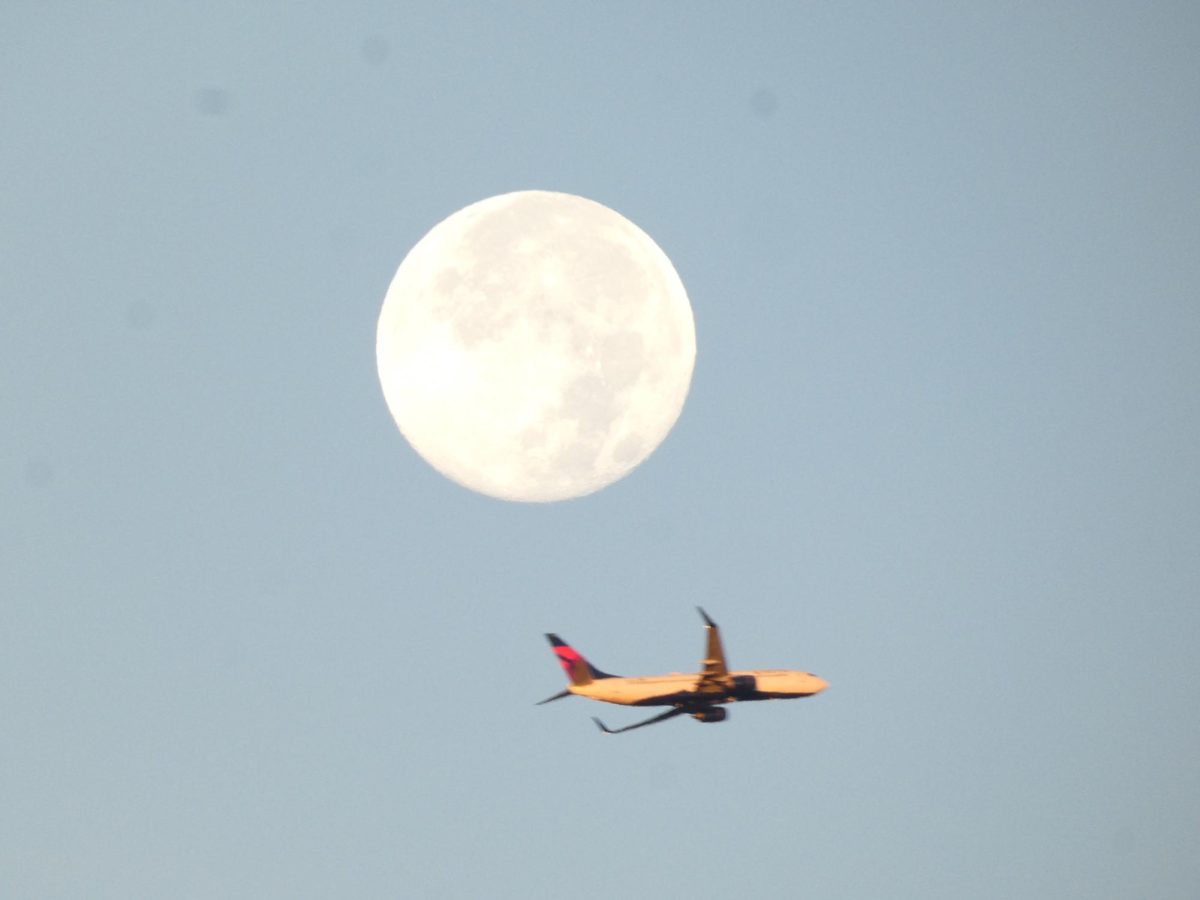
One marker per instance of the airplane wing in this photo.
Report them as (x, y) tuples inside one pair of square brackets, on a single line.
[(714, 675), (669, 714)]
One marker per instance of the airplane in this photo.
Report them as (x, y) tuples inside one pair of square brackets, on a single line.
[(700, 696)]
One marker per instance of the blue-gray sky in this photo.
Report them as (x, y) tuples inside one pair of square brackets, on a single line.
[(940, 448)]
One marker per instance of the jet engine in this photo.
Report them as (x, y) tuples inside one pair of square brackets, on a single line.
[(712, 714)]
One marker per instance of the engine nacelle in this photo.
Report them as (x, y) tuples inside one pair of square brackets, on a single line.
[(712, 714)]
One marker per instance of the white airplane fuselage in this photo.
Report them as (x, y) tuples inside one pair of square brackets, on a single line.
[(668, 690)]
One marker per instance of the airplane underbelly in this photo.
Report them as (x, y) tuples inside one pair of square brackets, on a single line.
[(745, 687), (634, 693)]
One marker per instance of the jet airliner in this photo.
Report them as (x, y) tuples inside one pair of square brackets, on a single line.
[(700, 696)]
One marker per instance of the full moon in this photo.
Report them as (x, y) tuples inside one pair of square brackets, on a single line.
[(535, 346)]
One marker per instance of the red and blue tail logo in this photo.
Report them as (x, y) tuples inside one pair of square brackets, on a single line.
[(579, 670)]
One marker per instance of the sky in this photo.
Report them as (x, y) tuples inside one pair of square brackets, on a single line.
[(940, 449)]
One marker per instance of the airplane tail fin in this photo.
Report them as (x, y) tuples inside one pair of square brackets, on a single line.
[(579, 670)]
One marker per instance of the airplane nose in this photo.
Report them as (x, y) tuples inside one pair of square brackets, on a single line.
[(819, 684)]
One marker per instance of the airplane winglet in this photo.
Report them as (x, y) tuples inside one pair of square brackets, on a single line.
[(707, 621), (602, 726)]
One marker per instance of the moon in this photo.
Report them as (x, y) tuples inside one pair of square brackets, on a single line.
[(535, 346)]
